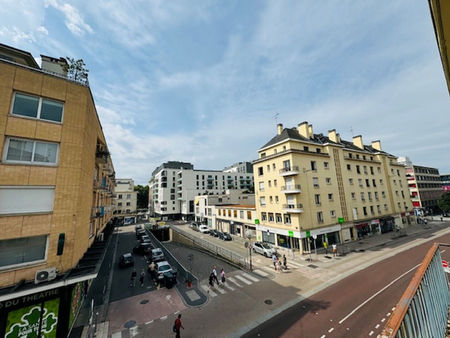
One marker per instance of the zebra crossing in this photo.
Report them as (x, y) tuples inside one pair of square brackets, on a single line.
[(237, 281)]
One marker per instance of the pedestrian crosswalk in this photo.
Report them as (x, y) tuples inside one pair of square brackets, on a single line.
[(237, 281)]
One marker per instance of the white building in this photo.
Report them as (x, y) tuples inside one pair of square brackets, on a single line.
[(125, 197), (174, 185)]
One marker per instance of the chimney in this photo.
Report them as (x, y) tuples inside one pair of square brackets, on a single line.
[(303, 129), (332, 135), (279, 128), (376, 145), (54, 65), (338, 137), (358, 142), (310, 131)]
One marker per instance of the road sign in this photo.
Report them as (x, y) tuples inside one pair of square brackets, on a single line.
[(341, 220), (308, 233), (291, 233), (256, 221)]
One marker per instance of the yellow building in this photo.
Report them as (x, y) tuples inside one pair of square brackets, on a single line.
[(56, 183), (311, 188)]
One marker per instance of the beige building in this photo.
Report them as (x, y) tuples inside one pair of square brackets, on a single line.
[(236, 219), (312, 188), (125, 197), (56, 183)]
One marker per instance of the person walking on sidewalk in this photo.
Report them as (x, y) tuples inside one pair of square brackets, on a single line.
[(141, 278), (284, 262), (334, 250), (274, 261), (211, 279), (214, 271), (222, 276), (133, 278), (325, 246), (177, 326)]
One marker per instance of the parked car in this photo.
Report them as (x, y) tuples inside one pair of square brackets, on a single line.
[(126, 260), (213, 233), (140, 232), (194, 226), (225, 236), (162, 267), (157, 255), (145, 238), (203, 229), (264, 249), (143, 248)]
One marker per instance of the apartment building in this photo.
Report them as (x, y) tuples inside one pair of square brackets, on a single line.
[(425, 186), (445, 179), (205, 205), (236, 219), (125, 197), (239, 167), (174, 186), (56, 183), (311, 186)]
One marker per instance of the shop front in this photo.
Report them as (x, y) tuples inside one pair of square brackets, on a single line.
[(387, 224), (330, 235)]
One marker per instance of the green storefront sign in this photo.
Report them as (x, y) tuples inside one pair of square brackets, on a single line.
[(308, 233), (256, 221), (341, 220), (291, 233)]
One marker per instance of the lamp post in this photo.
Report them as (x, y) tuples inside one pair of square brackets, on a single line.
[(309, 210)]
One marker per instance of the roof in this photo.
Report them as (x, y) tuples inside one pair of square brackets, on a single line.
[(238, 206), (17, 55), (319, 139)]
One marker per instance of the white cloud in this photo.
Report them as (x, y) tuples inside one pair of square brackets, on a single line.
[(73, 20), (42, 29)]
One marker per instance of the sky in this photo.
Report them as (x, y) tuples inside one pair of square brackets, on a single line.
[(206, 82)]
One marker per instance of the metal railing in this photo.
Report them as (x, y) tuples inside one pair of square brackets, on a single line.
[(293, 206), (288, 169), (215, 249), (291, 187), (422, 310)]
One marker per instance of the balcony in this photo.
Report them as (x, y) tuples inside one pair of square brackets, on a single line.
[(289, 171), (101, 154), (291, 189), (293, 208)]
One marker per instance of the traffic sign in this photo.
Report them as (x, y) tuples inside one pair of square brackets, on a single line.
[(308, 233), (291, 233)]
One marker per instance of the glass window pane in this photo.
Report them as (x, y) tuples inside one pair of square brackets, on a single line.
[(19, 150), (25, 105), (22, 250), (51, 110), (45, 152)]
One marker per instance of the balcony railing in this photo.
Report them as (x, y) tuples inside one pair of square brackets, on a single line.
[(291, 189), (293, 208), (294, 170)]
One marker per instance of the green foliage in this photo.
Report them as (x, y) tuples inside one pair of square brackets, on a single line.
[(142, 196), (444, 202), (76, 70)]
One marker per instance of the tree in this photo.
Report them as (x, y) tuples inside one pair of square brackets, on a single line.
[(76, 70), (142, 196), (444, 202)]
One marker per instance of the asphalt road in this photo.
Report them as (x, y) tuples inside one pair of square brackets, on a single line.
[(357, 306)]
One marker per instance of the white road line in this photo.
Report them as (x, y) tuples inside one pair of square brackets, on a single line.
[(246, 275), (393, 308), (331, 330), (208, 290), (370, 333), (271, 269), (388, 314), (176, 312), (229, 287), (149, 322), (243, 280), (222, 291), (163, 318), (323, 336), (383, 320), (231, 279), (261, 273), (294, 264), (377, 326), (443, 251), (376, 294), (116, 335)]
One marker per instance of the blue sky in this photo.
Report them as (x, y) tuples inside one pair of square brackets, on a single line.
[(201, 81)]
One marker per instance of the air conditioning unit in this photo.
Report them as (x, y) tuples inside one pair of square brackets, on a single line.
[(45, 275)]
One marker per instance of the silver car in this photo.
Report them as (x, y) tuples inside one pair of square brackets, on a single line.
[(162, 267), (157, 255), (264, 249)]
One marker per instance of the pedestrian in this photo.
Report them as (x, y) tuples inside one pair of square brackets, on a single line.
[(141, 278), (133, 278), (152, 269), (334, 250), (211, 279), (222, 276), (214, 271), (284, 262), (177, 326), (325, 246), (274, 261)]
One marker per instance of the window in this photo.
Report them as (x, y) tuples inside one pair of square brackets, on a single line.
[(320, 217), (395, 182), (317, 199), (403, 194), (360, 182), (120, 196), (349, 167), (358, 170), (381, 181), (315, 182), (385, 207), (357, 156), (365, 170), (278, 218), (378, 209), (273, 166), (249, 215), (22, 251), (263, 155), (287, 219), (269, 183), (363, 198), (305, 148), (376, 195), (371, 171), (350, 181), (219, 211), (333, 213), (383, 194), (26, 199), (128, 196), (330, 197), (379, 170), (229, 212), (268, 167), (271, 200), (326, 165), (270, 217), (396, 192), (264, 216), (276, 199), (262, 201), (365, 211), (261, 186), (38, 108), (241, 213), (398, 172), (260, 171), (350, 155), (128, 204), (372, 210), (353, 196), (235, 213), (367, 183), (328, 180), (318, 150), (28, 151), (374, 183), (274, 183), (313, 166), (369, 195)]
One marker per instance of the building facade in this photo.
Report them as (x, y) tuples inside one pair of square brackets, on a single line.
[(174, 185), (236, 219), (125, 197), (312, 189), (425, 186), (56, 183)]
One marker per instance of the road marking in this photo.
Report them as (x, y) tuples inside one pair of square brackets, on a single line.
[(271, 269), (133, 331), (323, 336), (376, 294), (298, 265), (443, 251), (331, 330), (250, 277), (117, 335), (228, 286), (261, 273), (176, 312), (231, 279), (370, 333), (208, 290), (222, 291), (383, 320), (388, 314), (146, 323), (377, 326), (393, 308), (243, 280), (163, 318)]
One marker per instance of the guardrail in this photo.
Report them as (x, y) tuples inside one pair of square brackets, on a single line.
[(422, 311), (217, 250)]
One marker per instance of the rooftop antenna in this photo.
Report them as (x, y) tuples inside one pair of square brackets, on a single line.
[(276, 118)]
